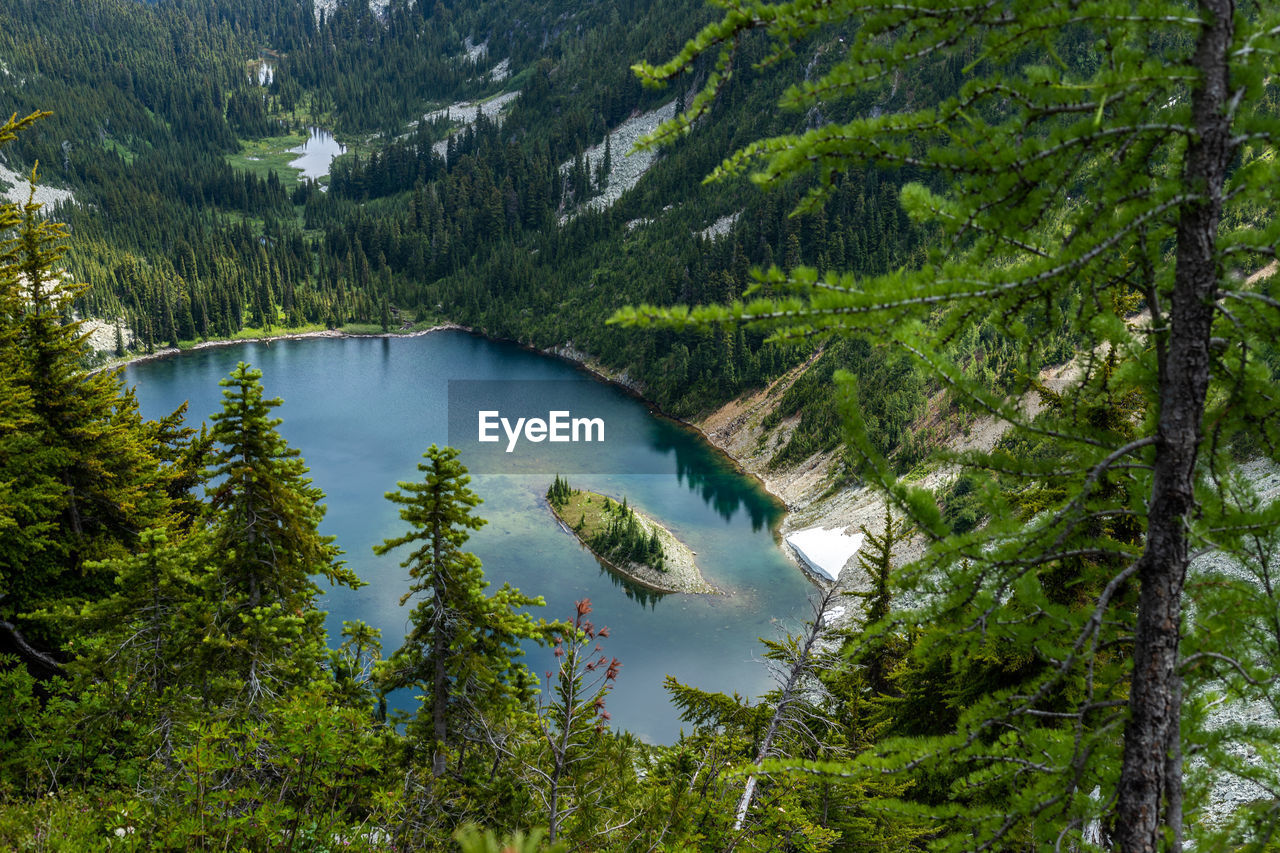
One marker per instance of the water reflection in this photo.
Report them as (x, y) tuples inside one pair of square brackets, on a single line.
[(715, 478), (317, 153), (362, 411), (641, 595)]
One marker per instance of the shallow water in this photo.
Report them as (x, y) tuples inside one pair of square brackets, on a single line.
[(363, 410), (317, 153)]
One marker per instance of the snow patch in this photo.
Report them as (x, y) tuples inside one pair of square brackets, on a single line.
[(825, 550)]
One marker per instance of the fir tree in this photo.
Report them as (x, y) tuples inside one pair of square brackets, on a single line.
[(559, 493), (877, 647), (136, 645), (264, 518), (463, 645), (80, 464)]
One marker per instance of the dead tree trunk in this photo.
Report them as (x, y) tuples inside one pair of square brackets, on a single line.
[(790, 691)]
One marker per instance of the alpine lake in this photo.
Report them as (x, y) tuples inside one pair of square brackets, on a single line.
[(363, 410)]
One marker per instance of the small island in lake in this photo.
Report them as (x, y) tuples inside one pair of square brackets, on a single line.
[(628, 542)]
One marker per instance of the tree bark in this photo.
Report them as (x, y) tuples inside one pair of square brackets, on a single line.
[(1150, 795), (439, 648), (789, 691), (47, 665)]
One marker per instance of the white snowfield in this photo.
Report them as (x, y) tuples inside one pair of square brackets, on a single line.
[(825, 550)]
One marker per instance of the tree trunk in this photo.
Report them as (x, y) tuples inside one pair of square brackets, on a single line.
[(439, 648), (1150, 794), (802, 665)]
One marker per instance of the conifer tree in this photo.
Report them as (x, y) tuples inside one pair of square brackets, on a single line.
[(878, 648), (136, 643), (264, 518), (1099, 158), (29, 491), (463, 646), (80, 463)]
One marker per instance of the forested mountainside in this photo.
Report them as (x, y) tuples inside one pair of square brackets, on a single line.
[(1056, 215), (182, 240)]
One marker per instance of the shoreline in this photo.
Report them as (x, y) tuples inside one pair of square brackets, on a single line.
[(623, 381), (563, 352), (166, 352), (686, 578)]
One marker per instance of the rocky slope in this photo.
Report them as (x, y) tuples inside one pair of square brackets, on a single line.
[(815, 491)]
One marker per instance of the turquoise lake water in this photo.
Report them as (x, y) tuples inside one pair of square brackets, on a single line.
[(363, 410)]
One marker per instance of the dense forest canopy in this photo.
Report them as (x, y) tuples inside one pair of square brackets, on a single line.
[(955, 200)]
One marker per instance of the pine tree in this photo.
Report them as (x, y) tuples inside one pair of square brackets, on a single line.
[(877, 647), (463, 645), (560, 492), (264, 518), (78, 461), (138, 641)]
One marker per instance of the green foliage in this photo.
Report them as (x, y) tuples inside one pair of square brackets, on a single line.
[(559, 493), (877, 646), (463, 646), (623, 538), (78, 466), (181, 246), (263, 516), (305, 774), (472, 839), (792, 752), (892, 398), (571, 722), (976, 196), (1074, 173)]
